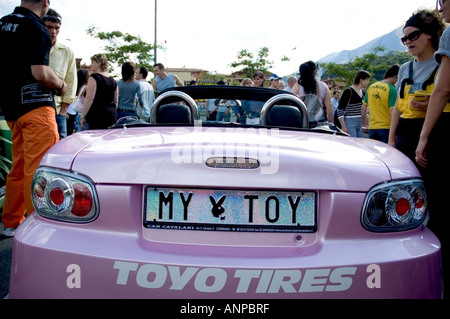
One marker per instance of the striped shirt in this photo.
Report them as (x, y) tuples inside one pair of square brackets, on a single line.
[(350, 104)]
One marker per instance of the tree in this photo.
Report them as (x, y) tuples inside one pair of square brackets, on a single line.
[(374, 63), (124, 47), (250, 65)]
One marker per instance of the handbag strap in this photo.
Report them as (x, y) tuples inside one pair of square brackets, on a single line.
[(348, 103)]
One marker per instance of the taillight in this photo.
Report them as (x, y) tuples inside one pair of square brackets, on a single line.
[(83, 200), (395, 206), (64, 196)]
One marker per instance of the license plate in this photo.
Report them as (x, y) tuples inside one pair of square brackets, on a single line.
[(230, 210)]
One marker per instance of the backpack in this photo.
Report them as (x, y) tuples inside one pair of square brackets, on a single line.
[(315, 108)]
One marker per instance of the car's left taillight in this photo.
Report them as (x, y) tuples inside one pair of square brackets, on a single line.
[(64, 196)]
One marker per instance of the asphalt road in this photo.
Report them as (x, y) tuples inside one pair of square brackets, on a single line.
[(6, 245)]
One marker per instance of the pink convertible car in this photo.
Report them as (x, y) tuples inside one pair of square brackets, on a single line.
[(183, 208)]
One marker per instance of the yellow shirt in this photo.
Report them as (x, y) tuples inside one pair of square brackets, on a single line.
[(381, 98), (404, 105), (62, 62)]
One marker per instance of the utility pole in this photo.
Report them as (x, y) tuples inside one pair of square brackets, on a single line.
[(156, 32)]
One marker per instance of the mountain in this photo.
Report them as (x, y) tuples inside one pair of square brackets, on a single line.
[(390, 41)]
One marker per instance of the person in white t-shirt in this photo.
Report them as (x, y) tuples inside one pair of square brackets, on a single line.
[(290, 83), (147, 95)]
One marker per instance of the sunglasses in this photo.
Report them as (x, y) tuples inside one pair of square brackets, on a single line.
[(413, 36)]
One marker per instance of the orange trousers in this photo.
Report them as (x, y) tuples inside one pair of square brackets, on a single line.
[(32, 136)]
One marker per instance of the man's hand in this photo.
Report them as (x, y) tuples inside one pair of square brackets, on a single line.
[(62, 90), (64, 108)]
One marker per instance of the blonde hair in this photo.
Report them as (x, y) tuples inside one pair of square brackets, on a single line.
[(246, 81), (101, 58)]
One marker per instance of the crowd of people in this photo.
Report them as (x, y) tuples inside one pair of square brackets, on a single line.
[(409, 109)]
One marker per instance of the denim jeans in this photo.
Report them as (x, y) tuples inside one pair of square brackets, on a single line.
[(354, 125), (62, 126), (222, 117), (78, 127), (124, 113), (381, 135)]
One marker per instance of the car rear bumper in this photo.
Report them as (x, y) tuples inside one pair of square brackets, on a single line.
[(54, 260)]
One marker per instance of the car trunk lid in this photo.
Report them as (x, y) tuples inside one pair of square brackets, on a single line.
[(178, 156)]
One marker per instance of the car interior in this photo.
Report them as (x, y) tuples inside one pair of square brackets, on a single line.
[(179, 106)]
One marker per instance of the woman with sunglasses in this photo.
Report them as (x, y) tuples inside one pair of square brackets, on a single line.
[(434, 139), (421, 35)]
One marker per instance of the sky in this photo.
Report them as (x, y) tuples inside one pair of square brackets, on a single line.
[(208, 34)]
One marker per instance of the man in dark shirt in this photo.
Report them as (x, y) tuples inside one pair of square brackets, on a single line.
[(26, 97)]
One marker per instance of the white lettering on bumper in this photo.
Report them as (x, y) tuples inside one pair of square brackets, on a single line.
[(213, 280)]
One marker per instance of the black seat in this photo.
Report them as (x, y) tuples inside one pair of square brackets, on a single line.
[(285, 116), (174, 114)]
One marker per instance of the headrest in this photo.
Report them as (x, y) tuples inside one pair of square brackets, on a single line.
[(174, 114), (285, 116)]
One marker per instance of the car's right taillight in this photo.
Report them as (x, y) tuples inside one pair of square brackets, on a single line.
[(395, 206), (64, 196)]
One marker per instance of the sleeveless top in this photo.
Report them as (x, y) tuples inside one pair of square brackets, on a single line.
[(127, 94), (321, 94), (167, 82), (103, 112)]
